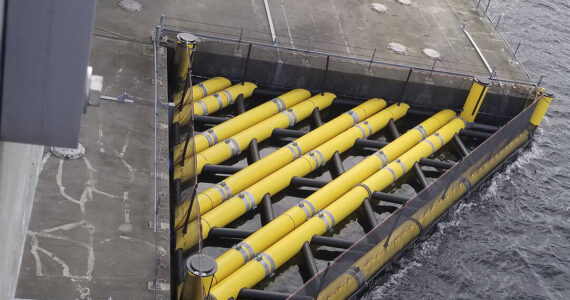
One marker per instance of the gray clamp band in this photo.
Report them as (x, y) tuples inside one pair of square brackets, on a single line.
[(369, 127), (246, 251), (330, 221), (295, 149), (267, 262), (440, 138), (291, 116), (393, 173), (367, 189), (224, 190), (220, 101), (230, 97), (211, 136), (308, 208), (401, 165), (279, 103), (321, 156), (203, 88), (382, 157), (358, 276), (361, 130), (422, 131), (248, 200), (431, 144), (354, 116), (204, 107), (466, 183), (234, 146)]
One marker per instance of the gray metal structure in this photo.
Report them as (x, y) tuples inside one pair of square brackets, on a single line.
[(46, 52)]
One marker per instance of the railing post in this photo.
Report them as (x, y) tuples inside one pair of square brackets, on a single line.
[(372, 59)]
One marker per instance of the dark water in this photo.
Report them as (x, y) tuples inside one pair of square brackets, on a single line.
[(510, 239)]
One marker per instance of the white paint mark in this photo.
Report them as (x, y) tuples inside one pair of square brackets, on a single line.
[(126, 207), (34, 252), (58, 179), (88, 164), (64, 227), (160, 250), (287, 23), (44, 161), (100, 140), (342, 31)]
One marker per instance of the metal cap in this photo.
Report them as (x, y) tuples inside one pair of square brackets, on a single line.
[(201, 265), (483, 81), (188, 38), (548, 95)]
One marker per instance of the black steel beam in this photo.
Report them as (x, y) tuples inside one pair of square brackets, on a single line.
[(421, 176), (267, 214), (389, 198), (369, 212), (240, 105), (474, 133), (308, 182), (209, 120), (436, 163), (460, 146), (263, 295), (418, 112), (485, 127), (369, 143), (337, 168), (309, 259), (229, 233), (220, 169), (331, 242), (267, 93), (280, 132)]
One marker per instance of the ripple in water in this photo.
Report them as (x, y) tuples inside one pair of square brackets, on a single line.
[(510, 239)]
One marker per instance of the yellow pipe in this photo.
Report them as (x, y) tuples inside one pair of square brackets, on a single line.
[(286, 248), (213, 103), (202, 89), (280, 179), (371, 262), (232, 259), (544, 100), (236, 183), (475, 98), (261, 131), (245, 120)]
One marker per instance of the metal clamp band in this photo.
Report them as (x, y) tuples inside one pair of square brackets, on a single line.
[(295, 149), (203, 88), (220, 101), (248, 200), (321, 156), (382, 156), (358, 276), (466, 183), (422, 131), (246, 251), (280, 104), (431, 144), (440, 139), (393, 173), (291, 116), (230, 97), (354, 116), (267, 262), (211, 136), (370, 131), (234, 146), (361, 130), (224, 190), (366, 188), (308, 208), (204, 107), (330, 221), (401, 165)]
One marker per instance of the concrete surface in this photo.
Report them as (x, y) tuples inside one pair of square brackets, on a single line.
[(20, 165), (90, 234)]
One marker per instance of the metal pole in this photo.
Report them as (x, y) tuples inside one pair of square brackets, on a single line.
[(488, 4), (478, 3), (432, 68), (516, 50), (240, 37), (309, 48), (499, 20), (309, 260), (539, 82), (372, 59), (246, 64)]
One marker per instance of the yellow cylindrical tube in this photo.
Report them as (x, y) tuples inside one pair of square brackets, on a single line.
[(279, 253), (261, 131), (377, 257), (202, 89), (213, 103), (183, 52), (475, 98), (280, 179), (294, 217), (245, 120), (236, 183), (544, 100)]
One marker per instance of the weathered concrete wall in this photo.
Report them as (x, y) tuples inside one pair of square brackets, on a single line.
[(20, 165)]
